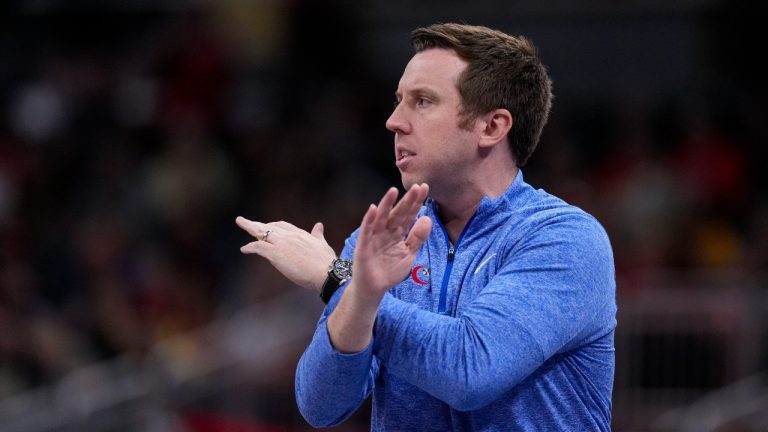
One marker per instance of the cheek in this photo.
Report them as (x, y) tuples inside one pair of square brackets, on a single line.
[(443, 133)]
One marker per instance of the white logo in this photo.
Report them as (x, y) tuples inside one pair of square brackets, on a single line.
[(485, 261)]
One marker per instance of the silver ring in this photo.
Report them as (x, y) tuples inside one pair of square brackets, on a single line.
[(266, 234)]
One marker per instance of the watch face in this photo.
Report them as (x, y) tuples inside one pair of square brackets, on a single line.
[(342, 269)]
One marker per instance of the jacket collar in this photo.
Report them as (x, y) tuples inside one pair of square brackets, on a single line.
[(511, 198)]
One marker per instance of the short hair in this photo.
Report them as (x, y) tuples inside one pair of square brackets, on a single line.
[(503, 72)]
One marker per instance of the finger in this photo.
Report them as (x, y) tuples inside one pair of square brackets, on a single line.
[(398, 213), (366, 228), (405, 211), (242, 222), (384, 208), (318, 230), (260, 248), (419, 233), (285, 225), (418, 201), (256, 229)]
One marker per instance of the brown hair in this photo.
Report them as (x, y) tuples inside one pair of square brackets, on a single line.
[(503, 72)]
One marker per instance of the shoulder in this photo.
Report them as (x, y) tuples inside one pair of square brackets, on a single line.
[(524, 207), (546, 220)]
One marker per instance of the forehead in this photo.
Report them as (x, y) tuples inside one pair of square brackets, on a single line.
[(435, 67)]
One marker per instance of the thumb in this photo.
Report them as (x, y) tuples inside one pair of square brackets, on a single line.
[(419, 233), (318, 230)]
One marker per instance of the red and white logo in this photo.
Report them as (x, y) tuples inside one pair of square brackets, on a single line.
[(420, 274)]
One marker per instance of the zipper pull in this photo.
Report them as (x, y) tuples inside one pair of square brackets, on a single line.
[(451, 253)]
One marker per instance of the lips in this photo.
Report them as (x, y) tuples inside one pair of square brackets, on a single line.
[(403, 156)]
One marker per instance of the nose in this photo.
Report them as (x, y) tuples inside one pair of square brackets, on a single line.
[(396, 121)]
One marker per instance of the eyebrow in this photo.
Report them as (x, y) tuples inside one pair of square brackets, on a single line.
[(419, 90)]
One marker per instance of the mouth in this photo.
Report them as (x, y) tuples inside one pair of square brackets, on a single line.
[(402, 157), (402, 154)]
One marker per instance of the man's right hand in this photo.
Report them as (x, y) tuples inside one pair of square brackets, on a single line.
[(302, 257), (389, 241), (387, 245)]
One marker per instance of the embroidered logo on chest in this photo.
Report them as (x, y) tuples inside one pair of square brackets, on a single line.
[(420, 274)]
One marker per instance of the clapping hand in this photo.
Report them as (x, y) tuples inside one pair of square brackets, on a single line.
[(389, 241), (301, 256)]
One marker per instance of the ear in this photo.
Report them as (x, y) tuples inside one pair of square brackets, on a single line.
[(495, 127)]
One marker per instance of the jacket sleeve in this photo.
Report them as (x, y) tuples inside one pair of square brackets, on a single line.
[(331, 385), (551, 292)]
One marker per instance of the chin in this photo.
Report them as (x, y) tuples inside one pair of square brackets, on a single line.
[(408, 181)]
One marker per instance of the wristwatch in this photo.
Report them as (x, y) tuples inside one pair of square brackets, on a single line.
[(339, 272)]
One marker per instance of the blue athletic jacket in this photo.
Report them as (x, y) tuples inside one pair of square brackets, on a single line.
[(509, 329)]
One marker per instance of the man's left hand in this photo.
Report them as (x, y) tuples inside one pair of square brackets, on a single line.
[(302, 257)]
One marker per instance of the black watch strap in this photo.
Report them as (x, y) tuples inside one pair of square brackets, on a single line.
[(332, 283), (340, 271)]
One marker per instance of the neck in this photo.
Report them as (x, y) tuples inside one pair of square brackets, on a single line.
[(456, 207)]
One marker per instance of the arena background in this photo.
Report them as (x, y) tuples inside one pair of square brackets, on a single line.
[(132, 133)]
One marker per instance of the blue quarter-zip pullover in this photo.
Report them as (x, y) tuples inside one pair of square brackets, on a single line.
[(509, 329)]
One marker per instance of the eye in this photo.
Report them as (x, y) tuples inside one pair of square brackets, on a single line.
[(421, 102)]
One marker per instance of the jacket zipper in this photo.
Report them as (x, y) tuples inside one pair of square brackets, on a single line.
[(441, 306), (446, 278)]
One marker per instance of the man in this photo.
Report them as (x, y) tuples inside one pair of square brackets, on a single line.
[(491, 306)]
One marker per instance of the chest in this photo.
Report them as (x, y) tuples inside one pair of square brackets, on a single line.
[(445, 278)]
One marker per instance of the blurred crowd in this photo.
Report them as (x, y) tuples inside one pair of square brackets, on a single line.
[(127, 149), (674, 183), (131, 141)]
